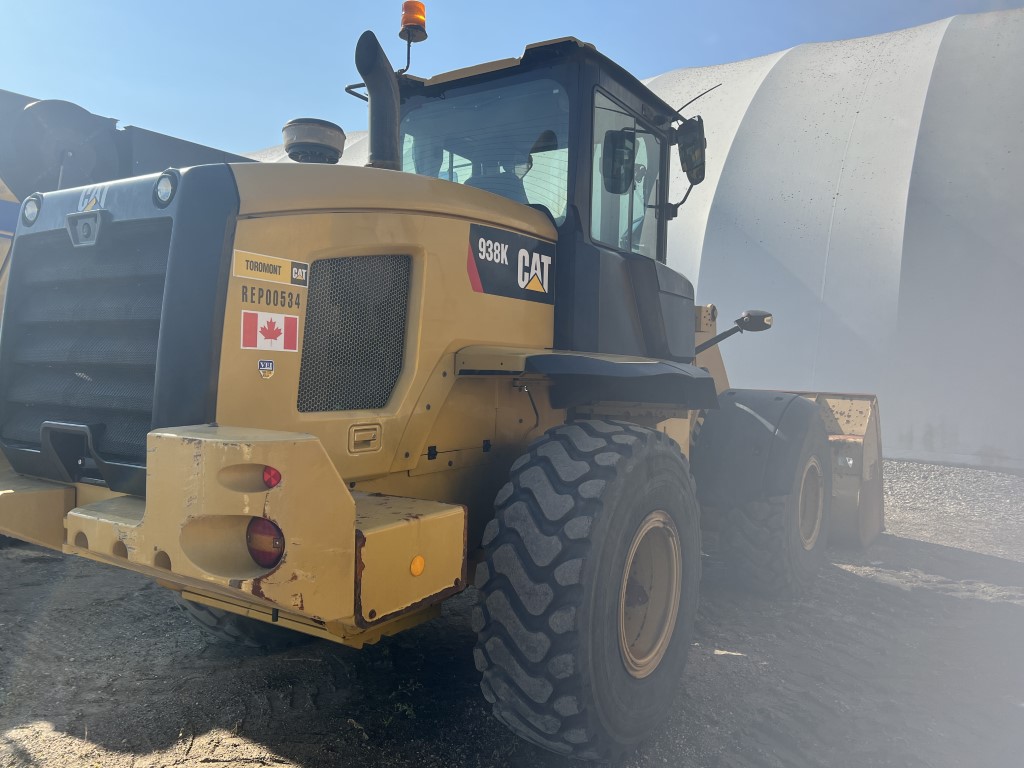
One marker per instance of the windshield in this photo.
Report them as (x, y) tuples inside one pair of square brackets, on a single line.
[(509, 137)]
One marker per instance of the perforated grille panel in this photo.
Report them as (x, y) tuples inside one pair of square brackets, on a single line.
[(354, 339)]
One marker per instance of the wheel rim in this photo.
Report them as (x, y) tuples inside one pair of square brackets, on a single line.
[(812, 503), (649, 595)]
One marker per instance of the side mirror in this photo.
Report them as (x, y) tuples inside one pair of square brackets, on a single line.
[(691, 142), (755, 320), (618, 157), (752, 320)]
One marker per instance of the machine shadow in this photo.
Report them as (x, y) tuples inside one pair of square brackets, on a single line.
[(106, 657), (842, 674), (905, 654)]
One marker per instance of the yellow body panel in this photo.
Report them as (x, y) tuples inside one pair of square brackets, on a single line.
[(272, 189), (192, 523), (710, 359), (33, 510), (342, 552), (408, 551), (363, 212)]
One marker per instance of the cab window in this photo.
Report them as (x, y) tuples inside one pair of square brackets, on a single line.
[(509, 137), (625, 221)]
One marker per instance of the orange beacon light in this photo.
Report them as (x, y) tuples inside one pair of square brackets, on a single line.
[(414, 22)]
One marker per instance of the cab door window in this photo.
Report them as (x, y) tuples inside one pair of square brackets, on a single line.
[(626, 220)]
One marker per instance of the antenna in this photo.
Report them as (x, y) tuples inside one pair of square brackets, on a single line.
[(709, 90)]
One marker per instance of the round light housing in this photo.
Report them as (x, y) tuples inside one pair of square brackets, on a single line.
[(30, 211), (414, 22), (165, 188), (265, 542), (271, 477)]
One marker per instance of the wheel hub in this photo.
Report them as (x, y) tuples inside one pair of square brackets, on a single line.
[(649, 594), (812, 503)]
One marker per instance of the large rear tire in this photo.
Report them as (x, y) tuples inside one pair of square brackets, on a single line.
[(231, 629), (589, 588), (776, 545)]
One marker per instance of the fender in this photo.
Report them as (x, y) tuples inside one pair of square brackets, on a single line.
[(584, 377), (748, 449)]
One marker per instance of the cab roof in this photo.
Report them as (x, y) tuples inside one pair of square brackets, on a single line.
[(549, 49)]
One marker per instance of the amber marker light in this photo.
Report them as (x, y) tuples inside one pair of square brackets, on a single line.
[(414, 22), (417, 565), (265, 542)]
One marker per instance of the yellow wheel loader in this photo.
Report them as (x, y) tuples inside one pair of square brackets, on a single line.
[(319, 399)]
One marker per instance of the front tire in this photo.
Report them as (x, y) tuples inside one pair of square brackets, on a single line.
[(589, 588), (776, 545)]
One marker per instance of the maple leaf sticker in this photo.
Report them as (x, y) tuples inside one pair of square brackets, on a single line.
[(270, 331)]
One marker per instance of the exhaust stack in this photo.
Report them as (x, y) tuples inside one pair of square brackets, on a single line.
[(382, 89)]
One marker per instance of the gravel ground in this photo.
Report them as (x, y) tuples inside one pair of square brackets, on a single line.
[(909, 654)]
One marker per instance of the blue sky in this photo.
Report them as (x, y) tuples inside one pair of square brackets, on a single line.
[(230, 74)]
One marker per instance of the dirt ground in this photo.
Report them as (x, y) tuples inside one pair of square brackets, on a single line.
[(910, 654)]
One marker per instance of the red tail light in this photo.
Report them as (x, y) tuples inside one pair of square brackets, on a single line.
[(271, 477), (265, 542)]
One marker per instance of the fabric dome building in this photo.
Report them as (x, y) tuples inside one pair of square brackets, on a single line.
[(869, 193)]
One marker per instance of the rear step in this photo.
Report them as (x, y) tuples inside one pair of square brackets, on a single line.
[(33, 510)]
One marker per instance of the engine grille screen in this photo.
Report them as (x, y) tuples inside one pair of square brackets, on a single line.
[(83, 329), (354, 340)]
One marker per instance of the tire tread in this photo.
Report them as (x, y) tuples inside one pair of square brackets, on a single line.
[(533, 683), (756, 536)]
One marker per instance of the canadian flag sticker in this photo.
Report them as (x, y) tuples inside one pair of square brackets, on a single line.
[(270, 331)]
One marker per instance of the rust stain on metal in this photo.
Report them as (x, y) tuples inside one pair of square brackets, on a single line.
[(257, 587), (457, 586), (360, 567)]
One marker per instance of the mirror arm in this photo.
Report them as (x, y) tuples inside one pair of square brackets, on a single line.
[(672, 209), (717, 339), (752, 320)]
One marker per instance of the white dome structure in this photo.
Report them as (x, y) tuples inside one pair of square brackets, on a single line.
[(870, 193)]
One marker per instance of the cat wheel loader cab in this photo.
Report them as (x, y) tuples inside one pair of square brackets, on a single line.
[(324, 398)]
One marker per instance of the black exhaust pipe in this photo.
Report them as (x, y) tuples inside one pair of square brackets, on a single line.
[(382, 88)]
